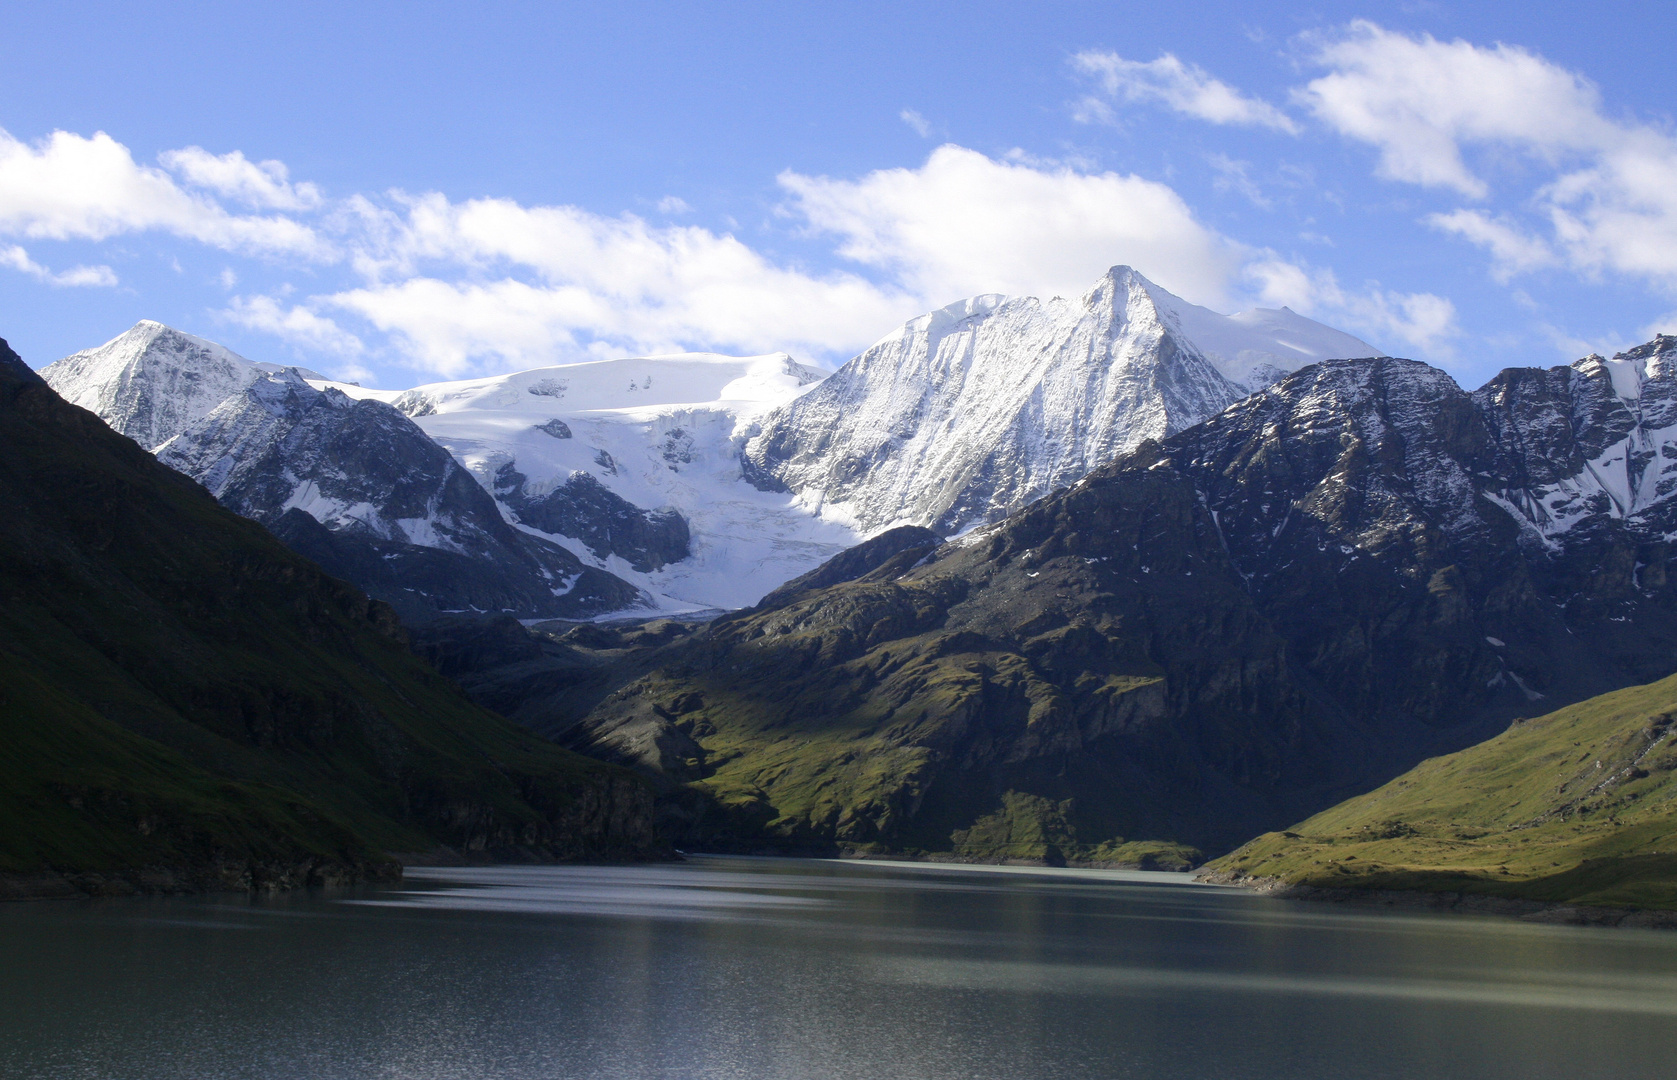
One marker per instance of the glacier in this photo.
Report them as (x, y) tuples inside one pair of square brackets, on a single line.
[(663, 433)]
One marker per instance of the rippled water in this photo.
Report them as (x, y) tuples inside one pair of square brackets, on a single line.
[(792, 968)]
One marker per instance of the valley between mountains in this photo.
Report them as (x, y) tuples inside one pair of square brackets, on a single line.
[(1112, 580)]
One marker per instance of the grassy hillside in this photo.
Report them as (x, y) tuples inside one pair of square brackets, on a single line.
[(185, 703), (1579, 806)]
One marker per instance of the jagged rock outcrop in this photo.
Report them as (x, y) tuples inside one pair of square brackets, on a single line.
[(975, 410), (583, 508)]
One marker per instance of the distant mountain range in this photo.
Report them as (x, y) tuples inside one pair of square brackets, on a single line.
[(691, 482)]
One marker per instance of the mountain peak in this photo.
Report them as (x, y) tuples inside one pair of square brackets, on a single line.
[(151, 382), (970, 411)]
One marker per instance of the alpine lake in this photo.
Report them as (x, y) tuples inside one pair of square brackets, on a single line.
[(785, 968)]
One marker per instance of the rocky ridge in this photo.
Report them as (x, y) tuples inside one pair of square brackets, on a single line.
[(153, 382)]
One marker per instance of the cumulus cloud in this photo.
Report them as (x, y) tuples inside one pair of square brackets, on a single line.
[(68, 187), (460, 282), (1608, 198), (1419, 99), (1186, 88), (964, 223), (295, 324), (18, 259), (922, 127), (261, 184), (1425, 321)]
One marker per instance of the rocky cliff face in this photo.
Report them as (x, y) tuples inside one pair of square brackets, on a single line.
[(360, 489), (1216, 634), (973, 411), (607, 523)]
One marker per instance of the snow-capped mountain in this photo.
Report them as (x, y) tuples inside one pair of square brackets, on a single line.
[(635, 465), (153, 382), (972, 411)]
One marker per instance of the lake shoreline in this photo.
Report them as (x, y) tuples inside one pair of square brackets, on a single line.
[(1460, 903)]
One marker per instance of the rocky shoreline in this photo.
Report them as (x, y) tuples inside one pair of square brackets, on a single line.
[(1462, 903)]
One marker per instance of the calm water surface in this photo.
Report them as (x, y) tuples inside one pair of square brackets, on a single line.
[(790, 968)]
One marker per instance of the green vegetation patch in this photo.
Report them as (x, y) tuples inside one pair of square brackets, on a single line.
[(1579, 806)]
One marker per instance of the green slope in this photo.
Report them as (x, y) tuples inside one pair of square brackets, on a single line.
[(1579, 806), (186, 703)]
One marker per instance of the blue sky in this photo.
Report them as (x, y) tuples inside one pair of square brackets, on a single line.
[(404, 192)]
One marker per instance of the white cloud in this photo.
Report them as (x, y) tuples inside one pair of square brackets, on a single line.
[(101, 276), (1419, 99), (1609, 198), (70, 187), (673, 204), (1665, 324), (922, 127), (260, 184), (1425, 321), (1186, 88), (18, 259), (964, 223), (1513, 250), (460, 282), (297, 325)]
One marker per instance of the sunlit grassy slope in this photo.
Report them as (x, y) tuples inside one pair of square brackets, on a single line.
[(1579, 806)]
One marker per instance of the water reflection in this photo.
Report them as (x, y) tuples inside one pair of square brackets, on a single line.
[(795, 969)]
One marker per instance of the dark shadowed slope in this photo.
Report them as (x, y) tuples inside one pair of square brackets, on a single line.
[(185, 703)]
